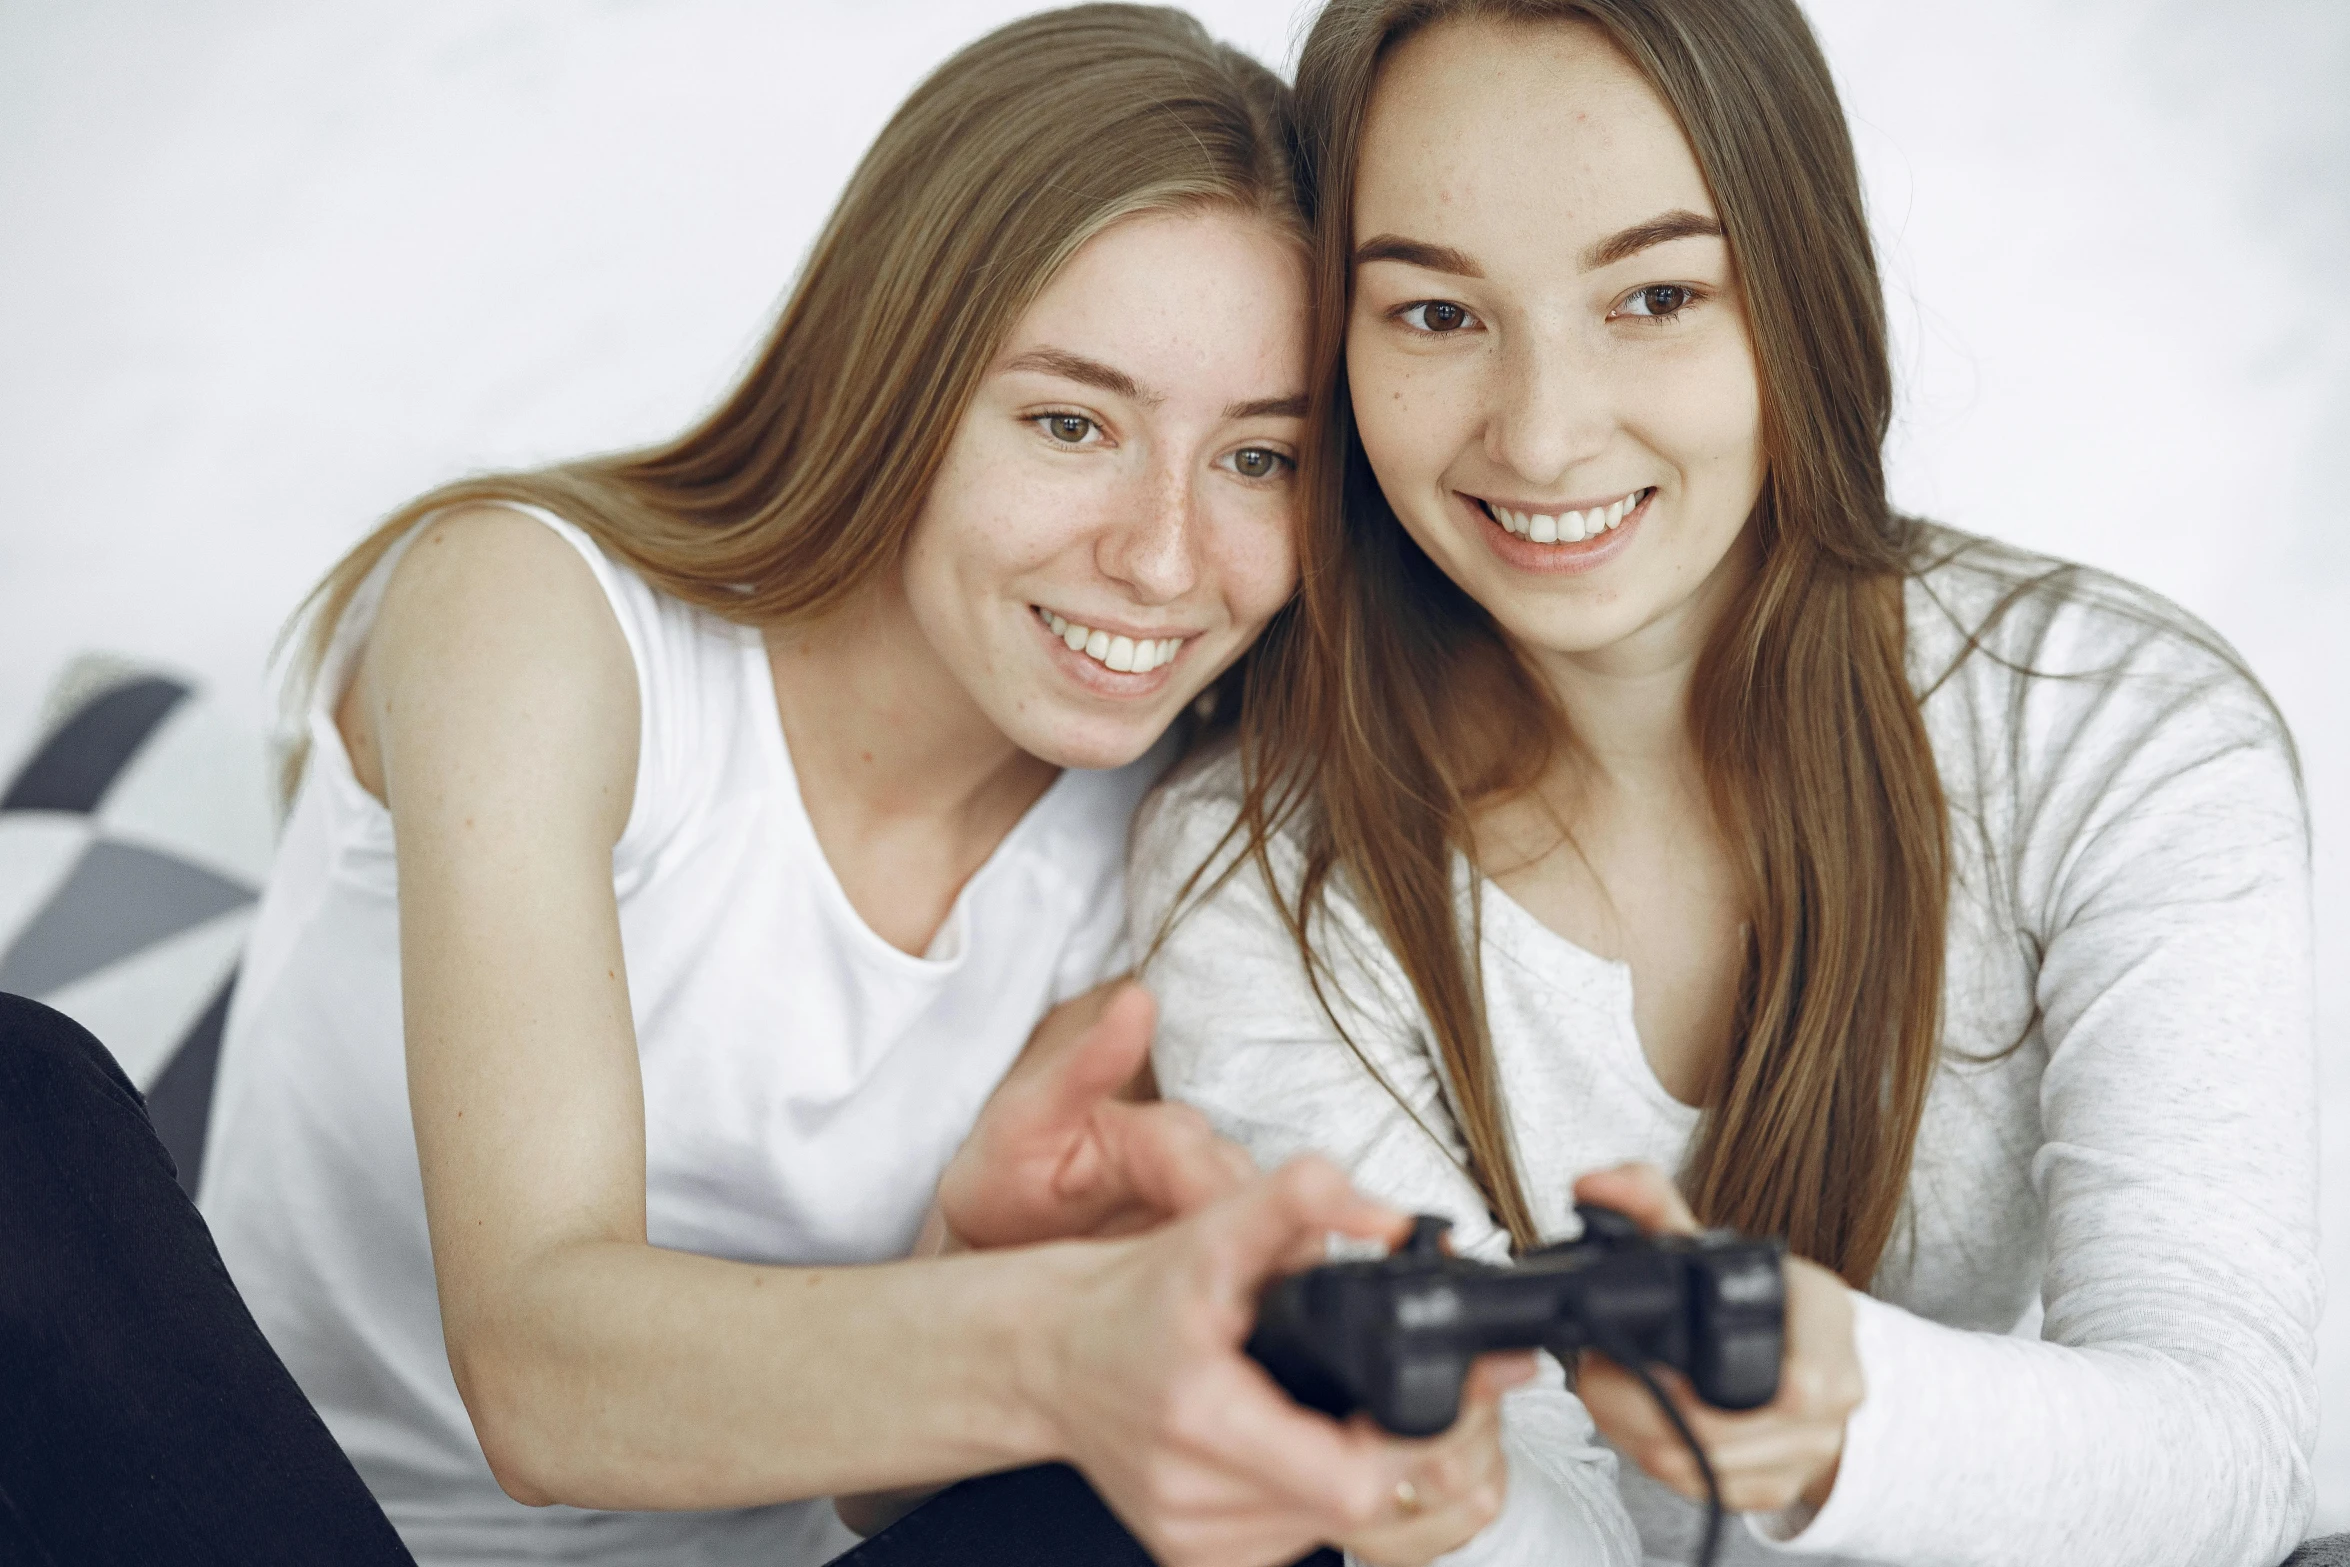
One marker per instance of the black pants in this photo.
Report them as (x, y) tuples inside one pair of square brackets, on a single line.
[(144, 1419)]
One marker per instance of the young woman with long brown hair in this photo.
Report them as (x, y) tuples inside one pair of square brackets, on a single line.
[(689, 840), (1632, 787)]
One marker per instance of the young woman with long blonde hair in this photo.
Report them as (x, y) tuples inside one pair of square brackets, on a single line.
[(687, 844), (1633, 789)]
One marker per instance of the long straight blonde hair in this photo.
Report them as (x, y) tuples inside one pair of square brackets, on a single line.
[(1391, 707), (800, 489)]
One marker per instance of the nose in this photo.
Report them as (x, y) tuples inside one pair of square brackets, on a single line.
[(1545, 410), (1149, 550)]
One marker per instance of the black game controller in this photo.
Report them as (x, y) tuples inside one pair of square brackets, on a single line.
[(1395, 1337)]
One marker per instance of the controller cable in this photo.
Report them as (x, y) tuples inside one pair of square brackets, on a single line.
[(1629, 1357)]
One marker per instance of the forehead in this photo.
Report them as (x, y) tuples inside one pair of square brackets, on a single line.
[(1493, 131), (1175, 294)]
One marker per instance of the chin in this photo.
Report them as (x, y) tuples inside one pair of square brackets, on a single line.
[(1574, 635), (1091, 743)]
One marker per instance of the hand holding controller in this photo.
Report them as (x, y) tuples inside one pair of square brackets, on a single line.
[(1395, 1337)]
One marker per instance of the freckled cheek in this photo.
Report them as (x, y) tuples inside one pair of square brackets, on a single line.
[(1252, 556), (1006, 536)]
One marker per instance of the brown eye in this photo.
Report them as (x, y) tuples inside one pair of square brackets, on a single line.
[(1661, 299), (1254, 462), (1436, 316), (1068, 429)]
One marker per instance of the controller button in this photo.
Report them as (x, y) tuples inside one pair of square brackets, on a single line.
[(1430, 1308)]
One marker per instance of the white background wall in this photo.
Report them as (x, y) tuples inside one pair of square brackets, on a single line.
[(269, 266)]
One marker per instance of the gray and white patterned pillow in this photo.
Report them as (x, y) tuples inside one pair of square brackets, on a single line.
[(134, 839)]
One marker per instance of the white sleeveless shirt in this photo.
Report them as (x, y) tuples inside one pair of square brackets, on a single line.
[(804, 1081)]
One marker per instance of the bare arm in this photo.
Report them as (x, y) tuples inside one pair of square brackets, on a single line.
[(497, 712), (501, 702)]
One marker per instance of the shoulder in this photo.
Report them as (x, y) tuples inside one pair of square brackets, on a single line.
[(1977, 605), (1192, 818), (496, 643), (2079, 720), (1200, 793), (489, 591), (2060, 658), (495, 563), (1195, 867)]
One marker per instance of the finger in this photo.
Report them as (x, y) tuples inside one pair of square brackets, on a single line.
[(1143, 1087), (1641, 1192), (1430, 1532), (1492, 1375), (1069, 1019), (1246, 1426), (1763, 1477), (1784, 1445), (1457, 1479), (1282, 1221), (1469, 1448), (1760, 1453), (1170, 1160), (1625, 1413), (1456, 1489), (1103, 1060), (1619, 1405), (1636, 1409)]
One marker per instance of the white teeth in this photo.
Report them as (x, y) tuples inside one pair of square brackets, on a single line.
[(1568, 527), (1126, 655)]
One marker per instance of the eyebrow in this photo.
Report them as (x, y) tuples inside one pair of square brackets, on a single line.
[(1111, 379), (1677, 224), (1680, 223), (1291, 407), (1086, 372), (1417, 253)]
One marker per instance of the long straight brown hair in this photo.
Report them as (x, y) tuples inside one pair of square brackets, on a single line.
[(1390, 707), (801, 488)]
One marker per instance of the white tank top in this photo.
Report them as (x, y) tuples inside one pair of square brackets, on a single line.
[(804, 1081)]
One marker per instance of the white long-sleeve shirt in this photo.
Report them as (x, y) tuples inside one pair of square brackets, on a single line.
[(2091, 1340)]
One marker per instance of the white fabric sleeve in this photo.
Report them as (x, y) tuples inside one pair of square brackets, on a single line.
[(1242, 1037), (2166, 1417)]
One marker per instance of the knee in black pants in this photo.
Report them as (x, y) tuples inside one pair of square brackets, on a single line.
[(150, 1421)]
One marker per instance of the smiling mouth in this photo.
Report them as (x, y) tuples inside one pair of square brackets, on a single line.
[(1565, 527), (1125, 655)]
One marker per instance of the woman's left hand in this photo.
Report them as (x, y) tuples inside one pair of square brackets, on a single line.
[(1766, 1459), (1074, 1144)]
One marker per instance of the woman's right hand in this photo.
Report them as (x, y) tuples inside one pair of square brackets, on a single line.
[(1458, 1484), (1197, 1450)]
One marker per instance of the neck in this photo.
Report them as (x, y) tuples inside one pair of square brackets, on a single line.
[(1629, 701), (882, 732)]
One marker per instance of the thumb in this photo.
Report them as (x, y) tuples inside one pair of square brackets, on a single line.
[(1282, 1222), (1104, 1059), (1642, 1193)]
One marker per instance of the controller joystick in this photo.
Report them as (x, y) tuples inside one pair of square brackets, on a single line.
[(1427, 1237)]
